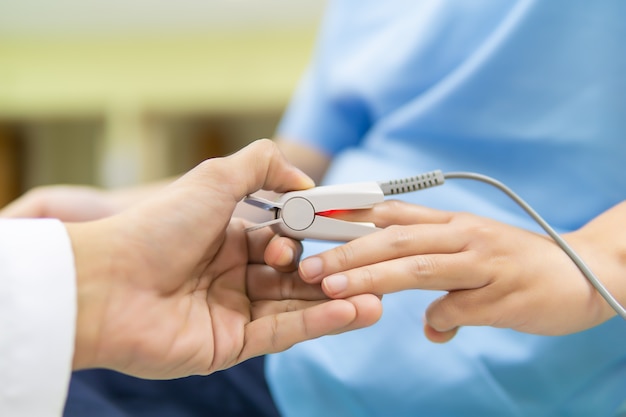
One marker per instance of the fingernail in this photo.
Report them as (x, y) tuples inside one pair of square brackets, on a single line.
[(286, 256), (336, 283), (311, 268)]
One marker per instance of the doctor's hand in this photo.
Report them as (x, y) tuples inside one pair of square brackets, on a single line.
[(493, 274), (173, 287)]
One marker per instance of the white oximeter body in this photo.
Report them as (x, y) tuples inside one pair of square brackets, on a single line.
[(300, 214)]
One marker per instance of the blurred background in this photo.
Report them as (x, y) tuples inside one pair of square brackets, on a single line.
[(114, 93)]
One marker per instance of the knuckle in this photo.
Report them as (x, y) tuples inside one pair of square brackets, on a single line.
[(389, 212), (367, 279), (265, 148), (465, 221), (389, 207), (275, 332), (291, 305), (344, 255), (422, 267), (287, 287), (482, 233), (471, 224), (403, 236)]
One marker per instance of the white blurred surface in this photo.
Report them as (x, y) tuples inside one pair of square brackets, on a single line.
[(105, 17)]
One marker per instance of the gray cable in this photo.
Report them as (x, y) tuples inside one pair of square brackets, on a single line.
[(434, 178), (410, 184)]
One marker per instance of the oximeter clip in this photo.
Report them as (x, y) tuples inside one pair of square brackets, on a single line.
[(305, 214)]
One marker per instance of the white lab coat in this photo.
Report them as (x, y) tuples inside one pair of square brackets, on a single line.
[(37, 317)]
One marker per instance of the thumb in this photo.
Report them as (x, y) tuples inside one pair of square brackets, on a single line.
[(260, 165)]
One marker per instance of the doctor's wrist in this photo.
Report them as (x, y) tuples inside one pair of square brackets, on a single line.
[(96, 266)]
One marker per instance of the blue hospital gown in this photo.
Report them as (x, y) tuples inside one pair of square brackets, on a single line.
[(530, 92)]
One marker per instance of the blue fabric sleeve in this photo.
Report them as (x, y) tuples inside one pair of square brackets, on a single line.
[(322, 114)]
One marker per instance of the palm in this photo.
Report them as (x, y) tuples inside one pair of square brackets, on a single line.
[(201, 324)]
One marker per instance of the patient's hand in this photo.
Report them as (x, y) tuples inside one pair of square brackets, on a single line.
[(494, 274)]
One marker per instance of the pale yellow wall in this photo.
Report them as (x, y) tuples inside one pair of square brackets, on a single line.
[(221, 71), (126, 84)]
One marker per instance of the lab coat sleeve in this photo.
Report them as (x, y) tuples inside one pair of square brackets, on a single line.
[(37, 316)]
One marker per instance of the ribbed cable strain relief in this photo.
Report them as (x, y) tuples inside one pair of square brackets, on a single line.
[(410, 184)]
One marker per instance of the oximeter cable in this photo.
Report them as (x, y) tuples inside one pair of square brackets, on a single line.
[(434, 178)]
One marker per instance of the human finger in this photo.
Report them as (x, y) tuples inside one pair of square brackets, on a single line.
[(278, 331), (436, 336), (467, 308), (283, 253), (391, 243), (265, 283), (445, 272), (265, 246), (260, 165), (395, 212), (368, 307)]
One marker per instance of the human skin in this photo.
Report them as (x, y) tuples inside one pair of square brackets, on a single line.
[(598, 242), (493, 274), (172, 286), (78, 203)]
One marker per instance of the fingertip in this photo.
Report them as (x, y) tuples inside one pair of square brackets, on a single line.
[(285, 257), (310, 269), (306, 182), (297, 180), (282, 253), (334, 285), (266, 168), (356, 312), (437, 336), (279, 254), (369, 309)]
